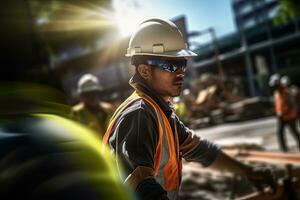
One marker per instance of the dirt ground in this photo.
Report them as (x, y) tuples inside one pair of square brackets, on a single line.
[(205, 184)]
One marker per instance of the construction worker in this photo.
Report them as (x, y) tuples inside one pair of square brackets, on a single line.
[(180, 109), (188, 100), (294, 94), (91, 111), (145, 135), (287, 112)]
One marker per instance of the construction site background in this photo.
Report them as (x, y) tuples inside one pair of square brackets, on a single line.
[(213, 100)]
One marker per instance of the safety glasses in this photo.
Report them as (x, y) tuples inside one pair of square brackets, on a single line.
[(168, 65)]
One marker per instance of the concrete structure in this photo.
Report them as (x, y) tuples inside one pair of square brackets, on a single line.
[(251, 13)]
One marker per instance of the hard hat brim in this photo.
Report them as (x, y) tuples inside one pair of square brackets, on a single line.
[(175, 54)]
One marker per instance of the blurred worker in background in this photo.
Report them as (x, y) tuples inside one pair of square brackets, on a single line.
[(286, 109), (180, 109), (183, 106), (287, 103), (146, 136), (189, 102), (294, 94), (91, 111)]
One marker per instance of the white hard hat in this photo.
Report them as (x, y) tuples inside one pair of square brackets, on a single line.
[(88, 83), (285, 81), (274, 79), (158, 37)]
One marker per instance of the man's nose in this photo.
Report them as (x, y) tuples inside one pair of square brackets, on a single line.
[(181, 70)]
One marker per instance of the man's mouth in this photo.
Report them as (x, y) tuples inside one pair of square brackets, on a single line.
[(179, 82)]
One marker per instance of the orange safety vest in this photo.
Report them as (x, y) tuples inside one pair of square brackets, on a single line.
[(167, 162), (283, 105)]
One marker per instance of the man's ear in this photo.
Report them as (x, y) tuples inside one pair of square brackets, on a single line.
[(144, 71)]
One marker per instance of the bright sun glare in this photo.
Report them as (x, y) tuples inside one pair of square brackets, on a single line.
[(127, 17)]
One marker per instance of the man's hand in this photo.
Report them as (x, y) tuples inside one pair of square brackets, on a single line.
[(262, 178)]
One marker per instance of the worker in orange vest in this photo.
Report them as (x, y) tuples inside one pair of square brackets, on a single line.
[(287, 112), (147, 138), (294, 94)]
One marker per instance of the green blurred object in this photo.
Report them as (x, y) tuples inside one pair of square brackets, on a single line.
[(28, 98), (46, 156)]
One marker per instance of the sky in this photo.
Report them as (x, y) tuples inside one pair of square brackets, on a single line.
[(200, 14)]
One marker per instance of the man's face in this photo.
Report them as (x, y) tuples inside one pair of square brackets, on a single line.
[(165, 83)]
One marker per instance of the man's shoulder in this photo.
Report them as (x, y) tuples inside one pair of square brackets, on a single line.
[(106, 106), (78, 107), (137, 114), (138, 107)]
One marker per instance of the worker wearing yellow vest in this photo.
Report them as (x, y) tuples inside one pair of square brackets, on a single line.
[(92, 112), (145, 135)]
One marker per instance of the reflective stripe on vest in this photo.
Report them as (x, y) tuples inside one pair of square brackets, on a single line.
[(167, 164)]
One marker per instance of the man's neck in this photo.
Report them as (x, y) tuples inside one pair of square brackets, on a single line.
[(141, 86), (93, 107)]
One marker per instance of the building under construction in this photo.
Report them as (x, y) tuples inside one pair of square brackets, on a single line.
[(258, 49)]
